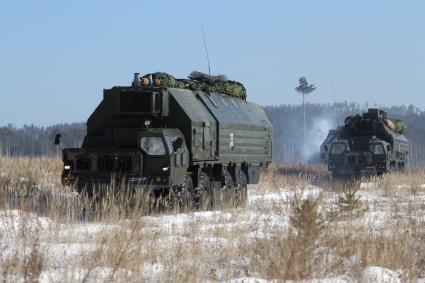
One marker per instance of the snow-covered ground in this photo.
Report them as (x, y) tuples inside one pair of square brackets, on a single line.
[(213, 245)]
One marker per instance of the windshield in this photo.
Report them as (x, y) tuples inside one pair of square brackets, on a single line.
[(376, 148), (152, 145), (338, 148), (170, 143), (331, 136)]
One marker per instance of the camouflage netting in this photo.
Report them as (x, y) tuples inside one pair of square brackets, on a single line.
[(202, 82), (396, 125)]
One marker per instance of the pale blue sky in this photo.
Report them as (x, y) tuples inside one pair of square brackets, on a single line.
[(57, 56)]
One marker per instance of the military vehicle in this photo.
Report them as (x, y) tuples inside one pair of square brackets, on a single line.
[(202, 147), (368, 144)]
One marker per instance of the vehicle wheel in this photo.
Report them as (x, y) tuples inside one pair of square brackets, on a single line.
[(204, 196), (392, 167), (186, 196), (228, 191), (242, 190), (79, 186), (150, 204), (216, 195)]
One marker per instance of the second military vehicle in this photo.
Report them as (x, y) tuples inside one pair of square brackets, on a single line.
[(368, 144), (176, 138)]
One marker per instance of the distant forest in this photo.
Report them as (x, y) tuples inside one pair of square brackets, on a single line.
[(35, 141), (287, 121)]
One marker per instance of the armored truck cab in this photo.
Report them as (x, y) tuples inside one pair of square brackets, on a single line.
[(326, 145), (368, 144), (172, 138)]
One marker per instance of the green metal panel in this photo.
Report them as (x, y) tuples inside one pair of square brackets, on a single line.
[(197, 124), (239, 131), (244, 132)]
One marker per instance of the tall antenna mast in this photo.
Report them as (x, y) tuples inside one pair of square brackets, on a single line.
[(206, 50)]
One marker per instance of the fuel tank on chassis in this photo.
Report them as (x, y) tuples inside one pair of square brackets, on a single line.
[(171, 137)]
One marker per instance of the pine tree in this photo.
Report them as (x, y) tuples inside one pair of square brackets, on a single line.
[(304, 89)]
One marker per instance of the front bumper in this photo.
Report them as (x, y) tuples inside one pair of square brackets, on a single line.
[(352, 172), (82, 181)]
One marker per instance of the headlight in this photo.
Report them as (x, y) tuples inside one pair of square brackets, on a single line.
[(165, 168), (67, 167), (147, 123)]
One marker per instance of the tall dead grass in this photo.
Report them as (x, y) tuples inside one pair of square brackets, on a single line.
[(49, 233)]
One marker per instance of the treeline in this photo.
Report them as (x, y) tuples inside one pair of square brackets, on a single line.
[(287, 121), (35, 141)]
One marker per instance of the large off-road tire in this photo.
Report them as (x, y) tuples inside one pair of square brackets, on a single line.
[(228, 196), (204, 195), (150, 203), (186, 195), (216, 195), (242, 190)]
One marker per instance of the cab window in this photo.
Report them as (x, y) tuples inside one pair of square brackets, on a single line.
[(330, 138), (152, 145), (376, 148), (337, 148)]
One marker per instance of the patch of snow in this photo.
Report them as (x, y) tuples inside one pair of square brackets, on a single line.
[(250, 280), (368, 185), (64, 251), (379, 274), (284, 195), (337, 279), (98, 274), (153, 268), (370, 274), (12, 221), (375, 218), (23, 179), (403, 186)]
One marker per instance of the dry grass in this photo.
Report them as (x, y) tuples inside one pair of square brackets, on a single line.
[(294, 227)]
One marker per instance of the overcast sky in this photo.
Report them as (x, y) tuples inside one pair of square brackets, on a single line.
[(57, 56)]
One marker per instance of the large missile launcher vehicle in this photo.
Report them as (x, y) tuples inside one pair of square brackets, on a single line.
[(368, 144), (201, 146)]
